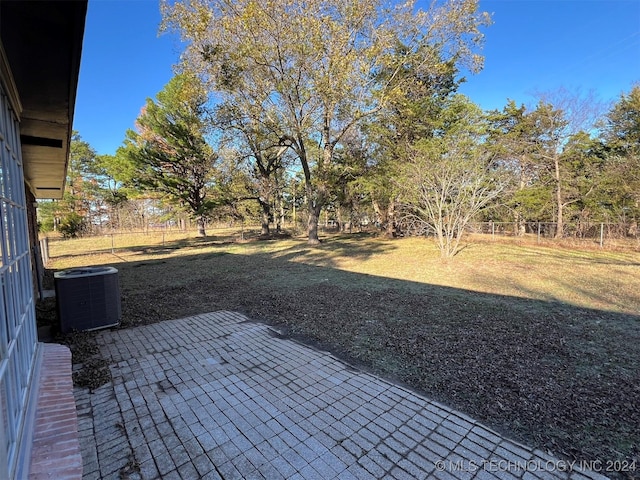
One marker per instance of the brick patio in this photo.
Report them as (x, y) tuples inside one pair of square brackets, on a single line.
[(218, 397)]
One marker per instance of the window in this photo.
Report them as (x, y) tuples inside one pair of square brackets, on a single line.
[(18, 336)]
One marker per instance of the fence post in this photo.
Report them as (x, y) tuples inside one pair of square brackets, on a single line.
[(601, 234), (163, 238), (493, 230), (112, 249), (44, 250), (538, 232)]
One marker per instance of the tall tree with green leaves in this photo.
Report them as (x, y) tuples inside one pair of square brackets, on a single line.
[(309, 69), (169, 152), (621, 135), (544, 148), (622, 123), (583, 165), (561, 116), (512, 138), (410, 115), (547, 127)]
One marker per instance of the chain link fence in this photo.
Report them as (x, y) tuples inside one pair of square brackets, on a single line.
[(54, 246), (601, 234)]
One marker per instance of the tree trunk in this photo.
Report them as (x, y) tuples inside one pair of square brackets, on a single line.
[(560, 217), (264, 224), (312, 227), (282, 216), (294, 219), (314, 196), (391, 230), (315, 201), (560, 221), (200, 221), (378, 211)]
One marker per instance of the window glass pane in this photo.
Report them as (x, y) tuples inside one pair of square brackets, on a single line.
[(5, 233), (8, 177), (2, 247), (10, 385), (2, 155), (4, 321), (4, 412)]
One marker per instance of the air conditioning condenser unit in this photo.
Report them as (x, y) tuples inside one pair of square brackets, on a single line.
[(88, 298)]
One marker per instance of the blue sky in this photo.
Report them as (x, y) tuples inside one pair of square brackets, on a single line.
[(533, 46)]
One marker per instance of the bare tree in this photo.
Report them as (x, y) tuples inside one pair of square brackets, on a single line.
[(450, 178)]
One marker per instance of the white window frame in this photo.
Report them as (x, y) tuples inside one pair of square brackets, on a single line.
[(18, 333)]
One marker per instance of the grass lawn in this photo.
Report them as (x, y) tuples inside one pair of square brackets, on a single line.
[(540, 343)]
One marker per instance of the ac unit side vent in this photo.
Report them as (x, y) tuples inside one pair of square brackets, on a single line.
[(88, 298)]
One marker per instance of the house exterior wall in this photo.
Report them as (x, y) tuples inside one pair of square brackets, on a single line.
[(40, 50), (34, 243), (18, 336)]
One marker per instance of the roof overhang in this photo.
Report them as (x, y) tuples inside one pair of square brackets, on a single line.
[(42, 41)]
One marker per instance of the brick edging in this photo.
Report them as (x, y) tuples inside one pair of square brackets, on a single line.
[(55, 450)]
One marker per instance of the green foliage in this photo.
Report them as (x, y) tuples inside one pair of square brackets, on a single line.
[(72, 225), (412, 112), (622, 124), (74, 212), (81, 159), (620, 188), (169, 152), (533, 203), (46, 215), (554, 167)]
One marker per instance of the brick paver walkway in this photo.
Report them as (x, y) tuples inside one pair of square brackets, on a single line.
[(55, 452), (216, 396)]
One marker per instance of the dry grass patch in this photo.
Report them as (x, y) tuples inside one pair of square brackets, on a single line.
[(541, 343)]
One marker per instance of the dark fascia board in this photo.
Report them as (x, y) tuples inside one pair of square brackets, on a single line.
[(8, 84), (43, 45)]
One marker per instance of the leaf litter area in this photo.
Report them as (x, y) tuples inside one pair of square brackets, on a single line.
[(561, 378)]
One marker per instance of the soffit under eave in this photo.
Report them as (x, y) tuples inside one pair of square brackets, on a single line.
[(43, 44)]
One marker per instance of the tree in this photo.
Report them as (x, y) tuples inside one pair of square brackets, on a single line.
[(451, 177), (169, 152), (263, 152), (410, 114), (309, 70), (561, 115), (81, 201), (535, 144), (512, 139), (621, 135), (349, 201), (622, 123), (547, 127)]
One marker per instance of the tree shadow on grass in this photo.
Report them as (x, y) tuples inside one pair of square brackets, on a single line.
[(555, 376)]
